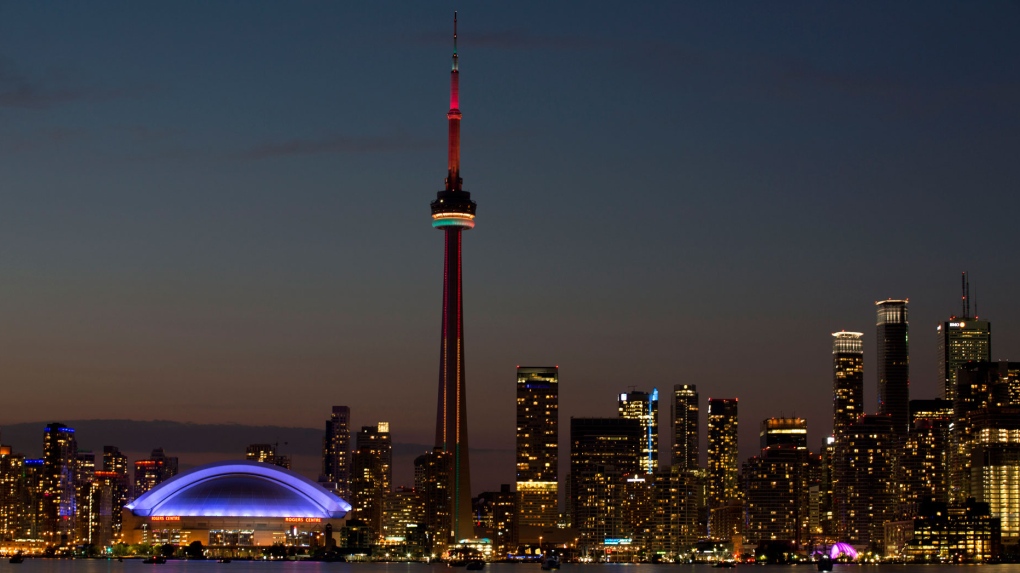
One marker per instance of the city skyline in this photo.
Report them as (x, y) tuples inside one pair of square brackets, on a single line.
[(158, 266)]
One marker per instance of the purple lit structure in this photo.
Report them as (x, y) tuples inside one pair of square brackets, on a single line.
[(239, 489), (839, 549)]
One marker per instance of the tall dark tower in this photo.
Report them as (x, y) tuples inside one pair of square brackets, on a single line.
[(452, 212), (894, 363)]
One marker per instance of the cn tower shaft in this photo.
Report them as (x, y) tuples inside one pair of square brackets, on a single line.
[(453, 211)]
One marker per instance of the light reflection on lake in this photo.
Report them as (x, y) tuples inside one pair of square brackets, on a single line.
[(211, 566)]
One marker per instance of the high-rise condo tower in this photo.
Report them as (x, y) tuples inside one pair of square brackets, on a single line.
[(644, 407), (847, 381), (685, 426), (538, 436)]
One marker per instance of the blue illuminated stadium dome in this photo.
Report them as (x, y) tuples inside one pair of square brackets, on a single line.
[(239, 489)]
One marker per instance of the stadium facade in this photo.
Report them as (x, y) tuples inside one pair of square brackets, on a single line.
[(235, 504)]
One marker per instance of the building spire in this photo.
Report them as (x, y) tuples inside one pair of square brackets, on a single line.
[(453, 181), (455, 41)]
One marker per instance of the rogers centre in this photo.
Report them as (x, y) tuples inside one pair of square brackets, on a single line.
[(234, 504)]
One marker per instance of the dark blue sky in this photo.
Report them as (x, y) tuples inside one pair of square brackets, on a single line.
[(219, 212)]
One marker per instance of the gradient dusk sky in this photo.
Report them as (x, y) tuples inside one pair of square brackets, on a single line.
[(219, 211)]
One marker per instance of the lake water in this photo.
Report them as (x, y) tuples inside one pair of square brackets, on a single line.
[(136, 566)]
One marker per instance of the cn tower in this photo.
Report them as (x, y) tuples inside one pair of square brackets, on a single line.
[(453, 211)]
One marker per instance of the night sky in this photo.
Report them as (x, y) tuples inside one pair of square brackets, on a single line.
[(219, 212)]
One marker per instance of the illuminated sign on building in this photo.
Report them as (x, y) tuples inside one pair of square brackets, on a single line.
[(303, 519), (165, 518)]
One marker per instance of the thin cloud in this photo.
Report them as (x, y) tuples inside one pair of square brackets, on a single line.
[(189, 438), (514, 40), (337, 144), (45, 138), (147, 134), (19, 89), (800, 72), (520, 40), (799, 79)]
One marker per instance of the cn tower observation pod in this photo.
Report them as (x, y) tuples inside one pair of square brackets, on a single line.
[(239, 489)]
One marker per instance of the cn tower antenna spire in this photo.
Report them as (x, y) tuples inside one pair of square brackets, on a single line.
[(455, 41), (453, 180)]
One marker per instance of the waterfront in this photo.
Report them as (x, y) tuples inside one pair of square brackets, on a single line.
[(211, 566)]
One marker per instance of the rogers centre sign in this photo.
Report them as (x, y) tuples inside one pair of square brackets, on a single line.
[(165, 518), (303, 519)]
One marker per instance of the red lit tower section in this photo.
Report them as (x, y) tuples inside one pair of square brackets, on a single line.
[(453, 211)]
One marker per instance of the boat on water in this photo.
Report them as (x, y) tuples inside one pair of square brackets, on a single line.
[(551, 562), (725, 563), (824, 562), (155, 560), (475, 565), (224, 560), (17, 558)]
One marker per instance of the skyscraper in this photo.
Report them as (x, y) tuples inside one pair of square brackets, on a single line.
[(117, 487), (783, 432), (115, 461), (676, 497), (538, 445), (644, 407), (847, 380), (923, 460), (87, 499), (962, 339), (980, 386), (776, 483), (603, 452), (336, 452), (372, 475), (265, 453), (847, 408), (722, 451), (496, 512), (403, 520), (60, 456), (153, 471), (870, 492), (894, 363), (723, 483), (684, 413), (432, 478), (12, 493), (453, 211), (995, 465), (147, 476), (37, 501), (169, 466)]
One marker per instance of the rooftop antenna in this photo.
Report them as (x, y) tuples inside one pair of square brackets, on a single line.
[(969, 315), (965, 294)]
